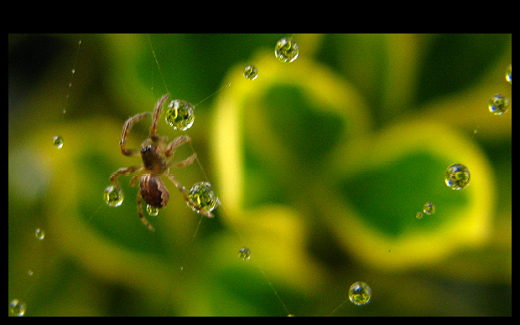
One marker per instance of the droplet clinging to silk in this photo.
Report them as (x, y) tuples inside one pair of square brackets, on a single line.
[(57, 141), (457, 176), (429, 208), (509, 74), (39, 234), (113, 196), (152, 211), (360, 293), (17, 307), (498, 104), (180, 114), (251, 72), (244, 253), (286, 50), (202, 194)]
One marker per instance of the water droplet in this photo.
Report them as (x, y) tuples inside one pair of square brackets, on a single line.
[(113, 196), (152, 211), (509, 74), (17, 307), (457, 177), (498, 104), (202, 194), (244, 253), (429, 208), (57, 141), (180, 114), (419, 215), (251, 72), (286, 50), (360, 293), (39, 233)]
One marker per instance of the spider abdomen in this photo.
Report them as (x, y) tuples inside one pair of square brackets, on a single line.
[(153, 191)]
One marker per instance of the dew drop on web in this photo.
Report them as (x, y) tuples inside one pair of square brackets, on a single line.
[(360, 293), (57, 141), (498, 104), (251, 72), (113, 196), (286, 50), (17, 307), (244, 253), (457, 176), (180, 114)]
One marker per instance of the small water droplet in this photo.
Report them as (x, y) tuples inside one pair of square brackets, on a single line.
[(113, 196), (286, 50), (244, 253), (39, 234), (17, 307), (251, 72), (180, 114), (429, 208), (152, 211), (498, 104), (457, 176), (202, 194), (57, 141), (509, 74), (419, 215), (360, 293)]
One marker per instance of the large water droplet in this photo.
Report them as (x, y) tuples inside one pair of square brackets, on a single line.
[(180, 114), (498, 104), (202, 194), (360, 293), (286, 50), (457, 176), (113, 196)]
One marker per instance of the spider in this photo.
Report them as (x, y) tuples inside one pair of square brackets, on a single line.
[(156, 153)]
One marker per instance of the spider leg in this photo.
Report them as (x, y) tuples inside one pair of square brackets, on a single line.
[(134, 179), (126, 129), (186, 197), (177, 142), (185, 162), (174, 145), (123, 171), (140, 210), (156, 115)]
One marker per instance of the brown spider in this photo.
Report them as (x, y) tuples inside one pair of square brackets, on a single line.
[(156, 153)]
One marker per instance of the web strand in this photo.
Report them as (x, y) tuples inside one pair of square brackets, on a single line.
[(221, 207)]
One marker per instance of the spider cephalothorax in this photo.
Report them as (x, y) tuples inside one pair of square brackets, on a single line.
[(156, 154)]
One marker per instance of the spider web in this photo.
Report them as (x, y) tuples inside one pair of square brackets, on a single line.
[(191, 264), (69, 89)]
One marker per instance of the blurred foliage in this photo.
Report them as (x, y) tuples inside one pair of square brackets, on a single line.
[(320, 165)]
